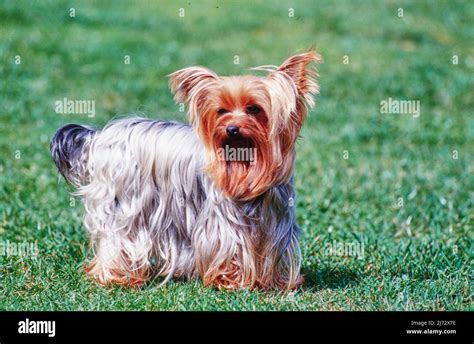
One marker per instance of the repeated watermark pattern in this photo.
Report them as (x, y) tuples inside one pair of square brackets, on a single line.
[(19, 249), (401, 107), (229, 153), (67, 106), (345, 249)]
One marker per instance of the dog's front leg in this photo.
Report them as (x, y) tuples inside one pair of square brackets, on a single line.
[(224, 248)]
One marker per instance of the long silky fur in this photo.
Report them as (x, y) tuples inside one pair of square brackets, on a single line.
[(158, 202), (147, 199)]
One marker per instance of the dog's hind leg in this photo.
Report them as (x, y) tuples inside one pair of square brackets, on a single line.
[(121, 259), (119, 198)]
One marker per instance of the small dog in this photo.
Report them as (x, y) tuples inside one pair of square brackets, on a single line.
[(168, 199)]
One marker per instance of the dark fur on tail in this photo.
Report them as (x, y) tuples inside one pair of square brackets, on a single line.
[(68, 148)]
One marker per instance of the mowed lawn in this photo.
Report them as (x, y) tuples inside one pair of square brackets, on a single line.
[(397, 186)]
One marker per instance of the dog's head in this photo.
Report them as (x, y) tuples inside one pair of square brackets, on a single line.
[(249, 124)]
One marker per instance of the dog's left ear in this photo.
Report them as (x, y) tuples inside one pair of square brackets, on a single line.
[(187, 82), (292, 89), (300, 69)]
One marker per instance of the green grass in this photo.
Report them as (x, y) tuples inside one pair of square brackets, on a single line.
[(417, 256)]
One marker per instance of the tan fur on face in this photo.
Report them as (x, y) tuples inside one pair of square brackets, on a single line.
[(284, 96)]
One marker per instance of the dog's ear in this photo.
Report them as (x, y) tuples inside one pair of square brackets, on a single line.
[(292, 88), (300, 69), (186, 82)]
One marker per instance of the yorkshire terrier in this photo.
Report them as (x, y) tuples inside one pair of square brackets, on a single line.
[(165, 199)]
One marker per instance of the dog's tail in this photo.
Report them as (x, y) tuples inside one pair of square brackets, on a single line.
[(69, 148)]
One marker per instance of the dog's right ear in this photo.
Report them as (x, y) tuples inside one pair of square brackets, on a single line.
[(188, 82)]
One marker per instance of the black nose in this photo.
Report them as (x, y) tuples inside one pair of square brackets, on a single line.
[(232, 130)]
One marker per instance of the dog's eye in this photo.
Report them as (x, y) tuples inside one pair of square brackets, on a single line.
[(220, 112), (253, 109)]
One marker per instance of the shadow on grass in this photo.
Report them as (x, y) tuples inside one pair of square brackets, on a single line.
[(329, 278)]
